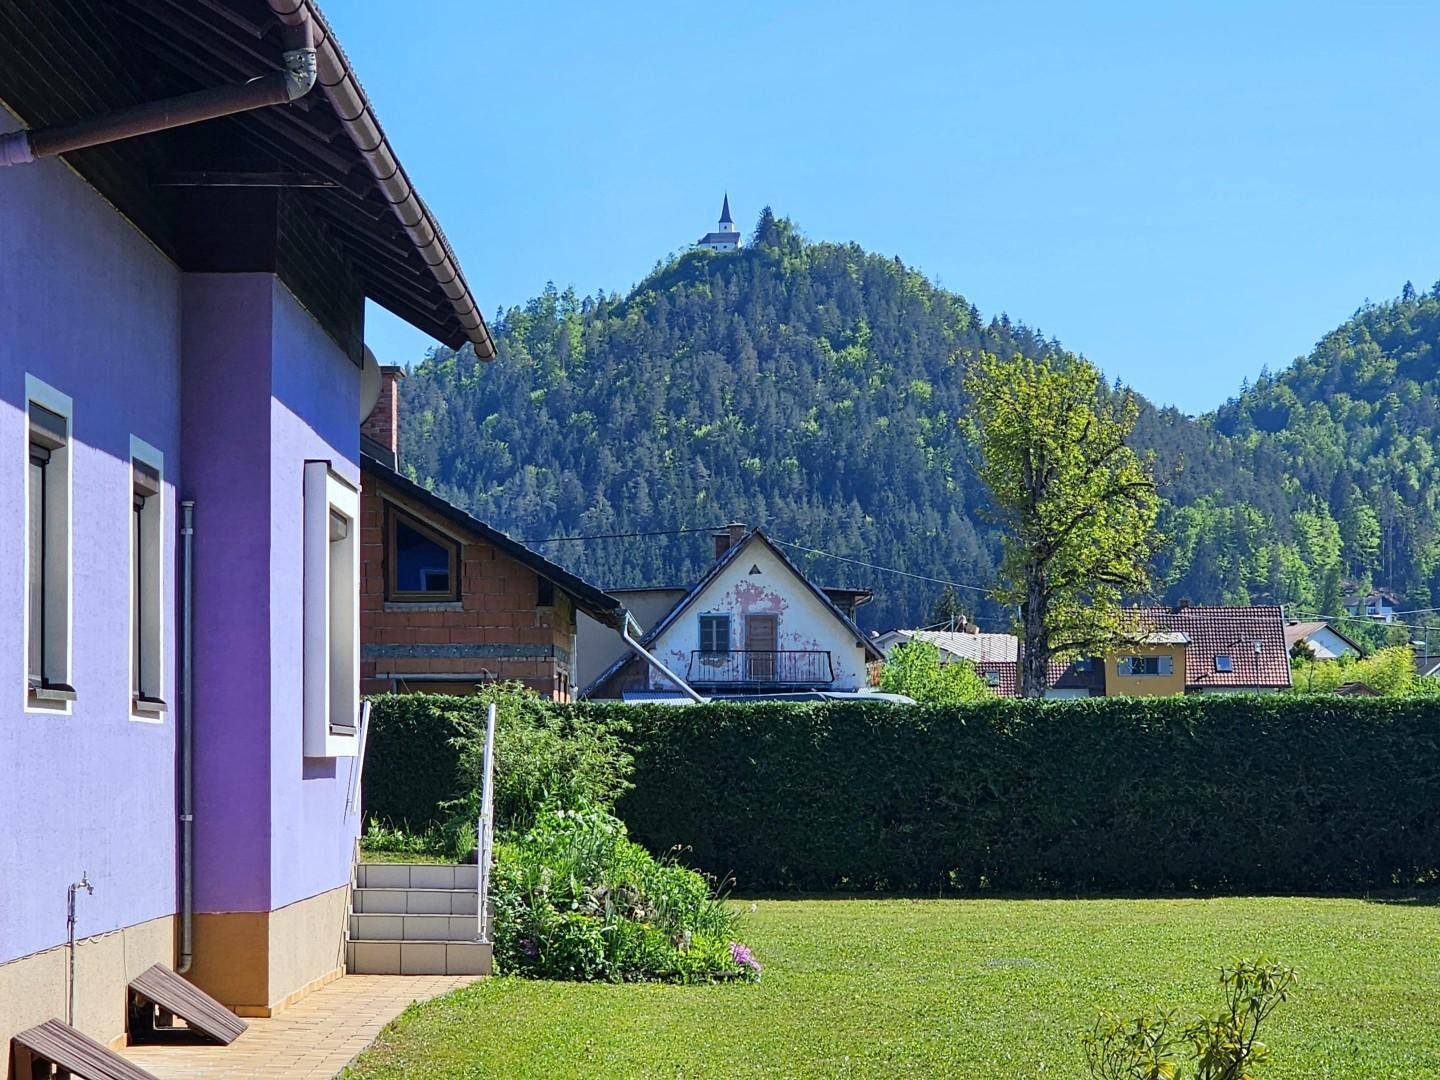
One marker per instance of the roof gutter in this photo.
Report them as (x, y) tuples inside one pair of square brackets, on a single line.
[(626, 621), (279, 88), (359, 121)]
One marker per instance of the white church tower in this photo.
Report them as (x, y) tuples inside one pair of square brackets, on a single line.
[(726, 237)]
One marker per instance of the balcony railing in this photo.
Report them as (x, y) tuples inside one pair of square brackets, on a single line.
[(761, 667)]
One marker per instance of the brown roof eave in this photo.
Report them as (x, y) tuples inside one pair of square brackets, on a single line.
[(357, 117)]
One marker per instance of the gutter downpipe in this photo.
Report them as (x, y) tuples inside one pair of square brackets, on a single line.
[(626, 621), (187, 768), (279, 88)]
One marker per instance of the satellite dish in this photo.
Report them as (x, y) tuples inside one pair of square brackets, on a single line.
[(369, 384)]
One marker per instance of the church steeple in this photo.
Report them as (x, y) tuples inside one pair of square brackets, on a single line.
[(726, 237)]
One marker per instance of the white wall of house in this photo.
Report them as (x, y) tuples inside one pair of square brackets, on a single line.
[(803, 621), (1328, 645)]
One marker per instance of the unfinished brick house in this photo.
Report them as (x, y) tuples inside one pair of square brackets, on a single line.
[(448, 603)]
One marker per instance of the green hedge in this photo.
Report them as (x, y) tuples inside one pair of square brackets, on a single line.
[(1224, 794), (410, 765)]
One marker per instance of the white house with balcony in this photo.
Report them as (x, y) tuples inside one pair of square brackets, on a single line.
[(754, 624)]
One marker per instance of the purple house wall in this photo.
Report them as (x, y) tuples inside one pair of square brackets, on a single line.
[(91, 308), (182, 325), (237, 386)]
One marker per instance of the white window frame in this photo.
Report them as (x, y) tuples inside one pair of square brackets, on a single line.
[(331, 616), (1161, 662), (700, 623), (147, 703), (60, 582)]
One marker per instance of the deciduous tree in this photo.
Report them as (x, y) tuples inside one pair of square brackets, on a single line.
[(1076, 503)]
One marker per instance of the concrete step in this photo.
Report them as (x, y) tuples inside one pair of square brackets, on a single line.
[(414, 876), (419, 957), (414, 901), (387, 927)]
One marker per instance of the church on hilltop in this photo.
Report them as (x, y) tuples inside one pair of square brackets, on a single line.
[(726, 237)]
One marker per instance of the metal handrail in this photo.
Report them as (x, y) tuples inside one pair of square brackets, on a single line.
[(771, 667), (485, 829)]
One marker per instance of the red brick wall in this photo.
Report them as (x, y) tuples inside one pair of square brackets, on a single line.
[(497, 608), (383, 423)]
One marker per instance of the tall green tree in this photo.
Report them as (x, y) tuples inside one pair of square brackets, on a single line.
[(1076, 502)]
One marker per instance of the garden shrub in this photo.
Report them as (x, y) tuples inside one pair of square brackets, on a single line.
[(1279, 794), (1225, 1046), (425, 758), (1228, 794), (575, 898)]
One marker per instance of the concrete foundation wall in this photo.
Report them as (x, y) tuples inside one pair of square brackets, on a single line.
[(34, 988)]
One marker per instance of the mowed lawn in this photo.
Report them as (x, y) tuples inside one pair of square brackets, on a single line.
[(964, 988)]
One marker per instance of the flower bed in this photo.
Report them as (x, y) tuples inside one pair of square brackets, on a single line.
[(575, 898)]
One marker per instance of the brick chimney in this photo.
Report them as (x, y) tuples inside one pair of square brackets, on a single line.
[(382, 426), (728, 537)]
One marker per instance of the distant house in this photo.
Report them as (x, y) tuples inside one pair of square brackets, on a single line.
[(1378, 604), (753, 624), (953, 645), (1184, 650), (725, 237), (1323, 641), (447, 602)]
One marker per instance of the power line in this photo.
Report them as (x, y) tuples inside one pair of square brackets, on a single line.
[(884, 569), (1368, 619), (624, 536)]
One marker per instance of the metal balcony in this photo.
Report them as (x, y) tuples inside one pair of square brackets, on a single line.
[(760, 667)]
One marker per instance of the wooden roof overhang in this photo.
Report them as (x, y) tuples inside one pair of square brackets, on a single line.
[(325, 179)]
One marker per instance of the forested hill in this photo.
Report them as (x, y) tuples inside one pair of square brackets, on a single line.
[(815, 388)]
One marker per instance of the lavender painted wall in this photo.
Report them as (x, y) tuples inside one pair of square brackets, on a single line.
[(90, 307), (265, 390), (227, 468), (314, 415)]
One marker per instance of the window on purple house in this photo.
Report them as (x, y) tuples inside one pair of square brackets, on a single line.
[(47, 554), (147, 597)]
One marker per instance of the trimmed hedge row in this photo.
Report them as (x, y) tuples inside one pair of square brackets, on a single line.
[(411, 767), (1223, 794), (1159, 795)]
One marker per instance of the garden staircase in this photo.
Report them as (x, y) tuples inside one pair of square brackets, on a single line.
[(415, 919)]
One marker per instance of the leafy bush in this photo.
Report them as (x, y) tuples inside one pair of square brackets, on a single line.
[(575, 898), (914, 669), (1225, 1046), (1230, 794), (545, 754), (1390, 671)]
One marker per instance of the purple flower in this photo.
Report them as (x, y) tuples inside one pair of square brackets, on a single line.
[(529, 948), (740, 954)]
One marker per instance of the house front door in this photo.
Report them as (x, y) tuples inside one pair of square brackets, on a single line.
[(761, 637)]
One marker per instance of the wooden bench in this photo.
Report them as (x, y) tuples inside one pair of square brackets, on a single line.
[(56, 1050), (158, 995)]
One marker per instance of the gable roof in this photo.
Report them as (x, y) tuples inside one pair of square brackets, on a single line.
[(980, 648), (1302, 631), (719, 238), (716, 569), (338, 168), (596, 603), (1253, 637)]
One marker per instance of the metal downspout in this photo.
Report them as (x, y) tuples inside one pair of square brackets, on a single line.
[(650, 658), (187, 767), (279, 88)]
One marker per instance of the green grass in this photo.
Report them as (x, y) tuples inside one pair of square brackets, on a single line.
[(965, 988)]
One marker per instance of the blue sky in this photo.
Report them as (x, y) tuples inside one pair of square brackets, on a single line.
[(1185, 192)]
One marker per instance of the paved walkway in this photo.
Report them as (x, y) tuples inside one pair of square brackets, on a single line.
[(311, 1040)]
